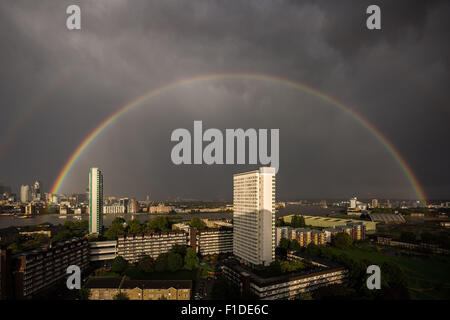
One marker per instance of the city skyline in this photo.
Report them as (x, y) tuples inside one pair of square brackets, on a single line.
[(80, 79)]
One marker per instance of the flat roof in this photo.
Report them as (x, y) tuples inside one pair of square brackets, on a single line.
[(264, 282), (117, 283), (103, 282), (156, 284)]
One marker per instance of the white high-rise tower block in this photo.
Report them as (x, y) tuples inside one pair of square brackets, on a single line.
[(254, 216)]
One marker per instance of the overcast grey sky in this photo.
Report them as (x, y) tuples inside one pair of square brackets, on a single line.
[(57, 85)]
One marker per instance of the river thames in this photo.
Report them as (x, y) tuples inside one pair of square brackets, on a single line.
[(55, 219)]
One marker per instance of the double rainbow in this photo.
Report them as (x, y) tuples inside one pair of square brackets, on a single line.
[(252, 76)]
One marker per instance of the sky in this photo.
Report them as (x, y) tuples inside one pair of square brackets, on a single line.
[(57, 85)]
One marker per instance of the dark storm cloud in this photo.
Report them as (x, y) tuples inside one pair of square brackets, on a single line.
[(397, 78)]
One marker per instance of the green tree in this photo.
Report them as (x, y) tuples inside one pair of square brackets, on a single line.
[(158, 224), (393, 275), (298, 222), (101, 272), (305, 296), (117, 228), (146, 264), (197, 223), (342, 240), (121, 296), (134, 227), (284, 243), (180, 249), (69, 224), (191, 260), (407, 236), (174, 261), (84, 294), (274, 268), (118, 221), (62, 236), (294, 245), (119, 265), (161, 262), (312, 249)]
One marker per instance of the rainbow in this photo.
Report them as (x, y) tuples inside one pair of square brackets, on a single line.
[(252, 76)]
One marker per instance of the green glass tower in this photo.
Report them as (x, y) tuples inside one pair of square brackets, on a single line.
[(95, 201)]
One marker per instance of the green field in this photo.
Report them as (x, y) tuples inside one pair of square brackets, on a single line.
[(428, 278)]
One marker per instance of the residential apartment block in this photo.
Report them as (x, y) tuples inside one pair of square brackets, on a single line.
[(288, 286), (107, 288), (37, 269), (356, 230), (102, 250), (302, 235), (134, 247), (211, 240)]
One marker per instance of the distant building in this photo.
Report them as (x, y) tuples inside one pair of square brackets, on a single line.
[(30, 209), (374, 203), (107, 288), (114, 208), (25, 193), (254, 216), (353, 202), (328, 222), (445, 224), (387, 218), (133, 206), (36, 192), (161, 208), (95, 201)]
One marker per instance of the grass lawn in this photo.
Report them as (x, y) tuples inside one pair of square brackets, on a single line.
[(427, 278)]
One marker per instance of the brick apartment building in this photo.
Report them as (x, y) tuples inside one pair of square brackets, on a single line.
[(107, 288)]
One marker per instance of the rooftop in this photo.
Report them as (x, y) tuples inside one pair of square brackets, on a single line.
[(125, 283)]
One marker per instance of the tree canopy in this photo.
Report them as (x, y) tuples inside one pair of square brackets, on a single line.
[(146, 264), (191, 260), (342, 240), (119, 265), (174, 261), (121, 296), (197, 223)]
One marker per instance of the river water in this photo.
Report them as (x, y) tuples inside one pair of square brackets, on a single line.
[(55, 219)]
